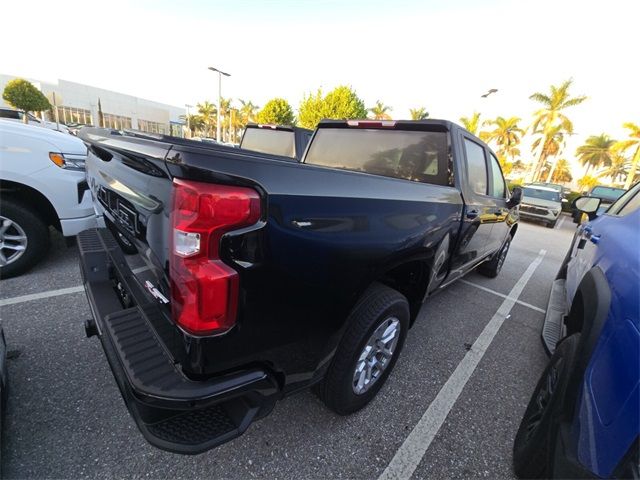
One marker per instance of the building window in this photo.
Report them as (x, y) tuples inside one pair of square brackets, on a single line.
[(176, 129), (151, 127), (116, 122), (74, 115)]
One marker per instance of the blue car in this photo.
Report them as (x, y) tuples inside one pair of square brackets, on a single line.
[(583, 419)]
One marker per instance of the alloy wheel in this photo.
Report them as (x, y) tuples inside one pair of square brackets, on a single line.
[(376, 355), (13, 241)]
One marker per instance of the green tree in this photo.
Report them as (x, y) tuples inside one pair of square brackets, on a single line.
[(617, 170), (380, 111), (21, 94), (632, 144), (208, 112), (342, 103), (471, 123), (276, 111), (195, 123), (551, 119), (558, 172), (596, 152), (418, 113), (506, 135)]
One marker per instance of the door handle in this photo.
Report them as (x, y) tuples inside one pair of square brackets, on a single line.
[(472, 214), (594, 238)]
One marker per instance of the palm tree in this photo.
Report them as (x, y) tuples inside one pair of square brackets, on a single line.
[(225, 109), (558, 172), (506, 134), (418, 113), (617, 170), (596, 152), (195, 122), (551, 115), (587, 182), (471, 123), (208, 112), (380, 110), (248, 111), (633, 144)]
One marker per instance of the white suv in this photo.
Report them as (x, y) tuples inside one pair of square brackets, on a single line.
[(18, 116), (42, 184)]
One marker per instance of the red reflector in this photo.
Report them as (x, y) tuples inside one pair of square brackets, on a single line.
[(204, 290)]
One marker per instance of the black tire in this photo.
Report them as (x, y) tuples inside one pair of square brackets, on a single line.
[(492, 267), (376, 306), (552, 224), (532, 447), (37, 234)]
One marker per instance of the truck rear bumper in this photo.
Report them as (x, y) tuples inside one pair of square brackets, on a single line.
[(173, 411)]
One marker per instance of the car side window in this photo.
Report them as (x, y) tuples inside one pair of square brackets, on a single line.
[(497, 186), (476, 166), (618, 205), (632, 205)]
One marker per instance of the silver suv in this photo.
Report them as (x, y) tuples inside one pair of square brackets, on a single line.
[(541, 203)]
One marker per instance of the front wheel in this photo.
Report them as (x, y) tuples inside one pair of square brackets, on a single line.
[(532, 445), (24, 238), (368, 351)]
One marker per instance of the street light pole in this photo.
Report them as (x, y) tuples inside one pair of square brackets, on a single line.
[(188, 121), (220, 74)]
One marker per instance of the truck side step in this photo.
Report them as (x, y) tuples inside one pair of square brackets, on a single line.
[(553, 328)]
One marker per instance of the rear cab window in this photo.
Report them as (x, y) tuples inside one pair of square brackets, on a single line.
[(269, 140), (415, 155)]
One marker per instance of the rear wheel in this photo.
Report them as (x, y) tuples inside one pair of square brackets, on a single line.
[(532, 446), (492, 268), (24, 238), (377, 328)]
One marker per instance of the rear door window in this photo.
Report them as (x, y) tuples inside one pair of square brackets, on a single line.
[(476, 166), (268, 140), (498, 189), (418, 156)]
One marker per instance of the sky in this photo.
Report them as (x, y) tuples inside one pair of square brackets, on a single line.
[(441, 55)]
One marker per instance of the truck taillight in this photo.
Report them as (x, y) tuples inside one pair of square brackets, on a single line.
[(204, 290)]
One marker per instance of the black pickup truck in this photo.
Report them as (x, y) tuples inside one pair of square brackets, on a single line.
[(266, 276)]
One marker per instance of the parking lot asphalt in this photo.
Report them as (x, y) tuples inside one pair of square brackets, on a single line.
[(66, 418)]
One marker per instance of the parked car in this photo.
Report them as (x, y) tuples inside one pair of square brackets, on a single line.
[(607, 195), (281, 140), (266, 276), (554, 186), (42, 184), (542, 204), (14, 115), (583, 419)]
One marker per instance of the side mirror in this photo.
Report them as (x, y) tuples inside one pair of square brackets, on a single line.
[(516, 197), (588, 205)]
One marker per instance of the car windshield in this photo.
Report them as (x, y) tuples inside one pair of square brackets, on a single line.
[(268, 140), (420, 156), (607, 193), (550, 195)]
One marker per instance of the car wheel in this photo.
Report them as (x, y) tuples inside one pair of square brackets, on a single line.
[(368, 351), (532, 446), (24, 239), (492, 268)]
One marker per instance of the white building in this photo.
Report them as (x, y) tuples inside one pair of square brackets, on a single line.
[(77, 103)]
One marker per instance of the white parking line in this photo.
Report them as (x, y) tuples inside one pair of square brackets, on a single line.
[(41, 295), (498, 294), (562, 217), (410, 453), (53, 293)]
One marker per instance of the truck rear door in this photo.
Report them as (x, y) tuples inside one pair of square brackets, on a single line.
[(480, 208)]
